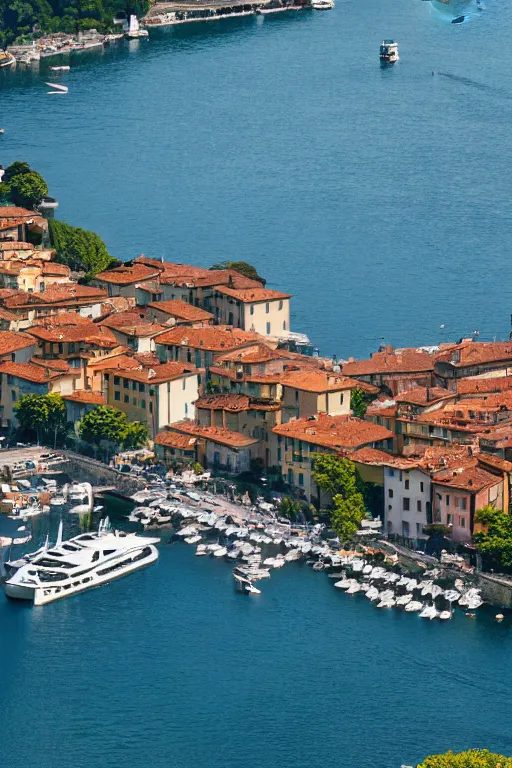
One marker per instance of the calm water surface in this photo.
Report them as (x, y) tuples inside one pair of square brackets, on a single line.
[(379, 198)]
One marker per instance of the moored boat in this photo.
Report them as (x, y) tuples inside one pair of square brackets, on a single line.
[(388, 52)]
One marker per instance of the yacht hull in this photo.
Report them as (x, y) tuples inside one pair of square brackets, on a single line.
[(41, 595)]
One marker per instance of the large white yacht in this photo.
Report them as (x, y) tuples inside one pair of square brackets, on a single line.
[(83, 562)]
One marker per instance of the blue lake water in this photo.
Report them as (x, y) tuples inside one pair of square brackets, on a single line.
[(170, 667), (379, 198)]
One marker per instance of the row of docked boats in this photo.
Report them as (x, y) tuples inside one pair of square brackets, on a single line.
[(78, 564), (388, 589)]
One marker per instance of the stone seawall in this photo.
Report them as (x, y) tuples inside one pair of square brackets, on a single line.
[(496, 590), (95, 472)]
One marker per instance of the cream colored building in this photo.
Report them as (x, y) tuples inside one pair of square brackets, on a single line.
[(306, 393), (254, 309), (155, 396), (18, 379)]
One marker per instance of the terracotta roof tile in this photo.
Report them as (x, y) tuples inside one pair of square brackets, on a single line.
[(259, 353), (482, 386), (152, 375), (85, 396), (175, 440), (374, 457), (211, 338), (10, 341), (181, 310), (125, 275), (55, 364), (215, 434), (476, 353), (317, 381), (29, 372), (88, 334), (468, 478), (6, 245), (424, 396), (229, 402), (406, 361), (336, 432), (252, 295), (15, 212)]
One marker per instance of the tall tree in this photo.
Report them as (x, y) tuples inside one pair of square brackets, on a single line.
[(103, 423), (28, 189), (347, 515), (335, 475), (42, 415), (78, 248)]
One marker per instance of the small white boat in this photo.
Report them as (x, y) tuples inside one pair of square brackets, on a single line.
[(221, 552), (388, 52), (244, 585), (414, 606), (192, 539), (412, 585), (367, 570), (445, 615), (343, 583), (429, 612), (404, 599), (426, 587), (372, 593), (322, 5), (57, 88), (354, 588), (63, 68), (451, 595), (293, 554), (201, 550)]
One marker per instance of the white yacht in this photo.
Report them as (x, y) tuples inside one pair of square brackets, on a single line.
[(83, 562)]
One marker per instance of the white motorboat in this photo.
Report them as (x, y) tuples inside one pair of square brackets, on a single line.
[(414, 606), (322, 5), (452, 595), (57, 88), (471, 599), (81, 563), (358, 566), (192, 539), (404, 599), (354, 588), (244, 585), (445, 615), (221, 552), (412, 585), (426, 587), (378, 573), (389, 603), (429, 612), (293, 554), (201, 550), (133, 32), (367, 570), (279, 561), (435, 591), (63, 68), (343, 583), (372, 593)]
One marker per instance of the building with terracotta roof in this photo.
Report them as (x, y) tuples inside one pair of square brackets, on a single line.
[(17, 347), (81, 402), (483, 385), (32, 275), (73, 340), (16, 223), (133, 328), (134, 280), (472, 358), (308, 392), (54, 300), (177, 312), (155, 395), (18, 379), (254, 309), (458, 493), (175, 449), (200, 346), (299, 440), (395, 370), (217, 447), (21, 251)]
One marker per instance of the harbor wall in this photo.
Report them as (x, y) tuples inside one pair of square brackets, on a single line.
[(496, 590), (95, 472)]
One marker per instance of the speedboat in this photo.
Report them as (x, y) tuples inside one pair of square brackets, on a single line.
[(201, 550), (192, 539), (322, 5), (244, 585), (451, 595), (445, 615), (414, 606), (404, 599), (221, 552), (343, 583), (354, 587), (429, 612), (81, 563), (372, 593)]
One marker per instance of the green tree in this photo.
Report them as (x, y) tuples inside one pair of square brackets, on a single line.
[(495, 541), (335, 475), (18, 168), (42, 415), (78, 248), (28, 189), (289, 508), (134, 435), (347, 515), (472, 758), (103, 423), (359, 402), (242, 267)]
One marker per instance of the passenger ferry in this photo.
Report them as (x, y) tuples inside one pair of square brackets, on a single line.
[(81, 563), (388, 52)]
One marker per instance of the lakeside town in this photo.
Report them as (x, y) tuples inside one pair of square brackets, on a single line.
[(206, 361)]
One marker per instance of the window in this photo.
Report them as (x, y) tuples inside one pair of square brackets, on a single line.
[(418, 528), (134, 386), (267, 307), (117, 395), (184, 384), (421, 487), (107, 377), (186, 409), (449, 519), (407, 485), (405, 528), (126, 384), (447, 501), (284, 325), (290, 477), (342, 397), (134, 400), (127, 398), (301, 479), (268, 328), (142, 403), (391, 472), (252, 309), (418, 505), (151, 406), (14, 396), (390, 493), (406, 503), (117, 380), (462, 522), (142, 388), (10, 379), (401, 475), (280, 304)]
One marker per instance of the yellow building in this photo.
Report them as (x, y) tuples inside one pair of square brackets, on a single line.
[(253, 309)]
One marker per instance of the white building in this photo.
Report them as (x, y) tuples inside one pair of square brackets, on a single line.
[(407, 501)]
